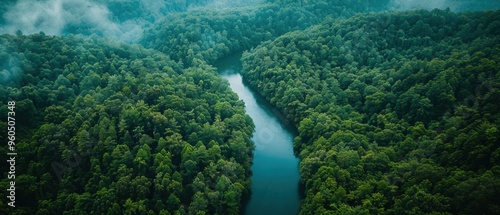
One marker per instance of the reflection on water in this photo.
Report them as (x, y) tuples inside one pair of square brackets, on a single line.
[(275, 179)]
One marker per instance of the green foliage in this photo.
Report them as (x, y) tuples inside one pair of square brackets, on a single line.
[(112, 128), (397, 112), (394, 110), (207, 35)]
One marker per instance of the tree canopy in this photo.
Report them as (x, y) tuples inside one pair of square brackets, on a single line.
[(116, 129), (395, 111)]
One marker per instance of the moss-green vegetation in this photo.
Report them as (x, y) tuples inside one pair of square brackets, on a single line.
[(116, 129), (396, 112), (203, 35), (111, 128)]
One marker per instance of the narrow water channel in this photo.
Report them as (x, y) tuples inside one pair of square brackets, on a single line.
[(275, 179)]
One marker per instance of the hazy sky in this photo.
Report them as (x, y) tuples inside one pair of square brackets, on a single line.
[(53, 16), (455, 5)]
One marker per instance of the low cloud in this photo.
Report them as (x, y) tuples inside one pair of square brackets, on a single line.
[(9, 67), (55, 17), (419, 4), (454, 5), (220, 4)]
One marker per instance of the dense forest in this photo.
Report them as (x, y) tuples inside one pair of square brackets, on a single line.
[(122, 20), (392, 120), (209, 35), (115, 129), (396, 111)]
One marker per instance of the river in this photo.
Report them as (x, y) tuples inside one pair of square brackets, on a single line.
[(275, 178)]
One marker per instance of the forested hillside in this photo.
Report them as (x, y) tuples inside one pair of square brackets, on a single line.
[(122, 20), (209, 35), (107, 128), (110, 128), (402, 119), (397, 112)]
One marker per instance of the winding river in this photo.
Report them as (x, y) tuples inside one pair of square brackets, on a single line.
[(275, 179)]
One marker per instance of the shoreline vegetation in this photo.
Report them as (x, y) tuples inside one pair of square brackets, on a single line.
[(396, 111), (391, 120)]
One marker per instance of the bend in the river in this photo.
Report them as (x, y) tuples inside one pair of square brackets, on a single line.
[(275, 179)]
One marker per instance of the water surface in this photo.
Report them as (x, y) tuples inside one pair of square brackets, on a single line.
[(275, 179)]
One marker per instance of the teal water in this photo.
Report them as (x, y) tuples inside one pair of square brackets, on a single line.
[(275, 179)]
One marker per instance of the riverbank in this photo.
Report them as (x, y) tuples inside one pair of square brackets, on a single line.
[(275, 178)]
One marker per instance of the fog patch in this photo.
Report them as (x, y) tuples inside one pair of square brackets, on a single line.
[(221, 4), (9, 67), (56, 17), (418, 4), (454, 5)]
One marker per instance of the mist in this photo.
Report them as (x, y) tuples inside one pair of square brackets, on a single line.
[(124, 20), (220, 4), (88, 17), (59, 17), (9, 67), (454, 5)]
